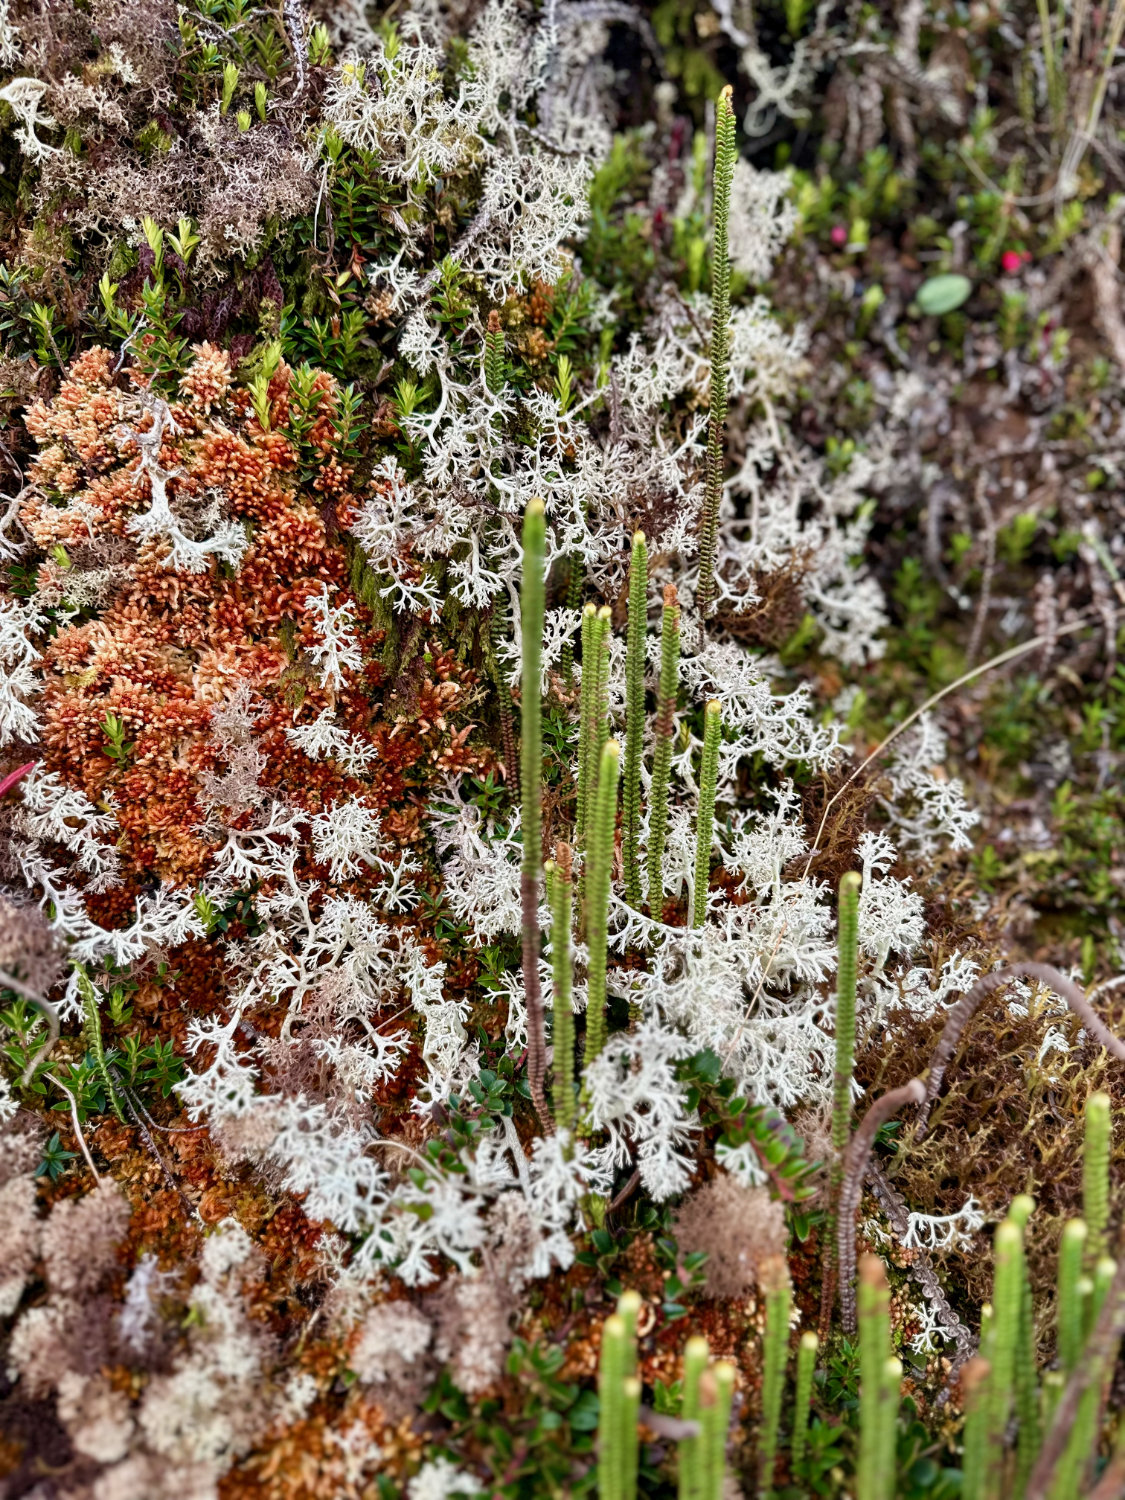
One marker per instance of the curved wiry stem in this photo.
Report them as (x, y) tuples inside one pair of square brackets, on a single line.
[(921, 1267), (966, 1008), (855, 1169)]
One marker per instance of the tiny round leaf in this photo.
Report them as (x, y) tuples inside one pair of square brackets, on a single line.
[(943, 294)]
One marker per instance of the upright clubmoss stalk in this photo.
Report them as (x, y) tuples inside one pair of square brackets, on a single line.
[(612, 1374), (92, 1026), (1026, 1374), (559, 896), (494, 354), (595, 708), (531, 768), (716, 1394), (603, 625), (1104, 1272), (634, 720), (1082, 1440), (1054, 1383), (874, 1351), (586, 726), (498, 630), (1055, 75), (664, 730), (806, 1369), (1007, 1288), (1095, 1174), (598, 870), (890, 1387), (628, 1309), (630, 1438), (726, 154), (775, 1354), (574, 584), (705, 826), (974, 1387), (619, 1395), (696, 1355), (1069, 1315)]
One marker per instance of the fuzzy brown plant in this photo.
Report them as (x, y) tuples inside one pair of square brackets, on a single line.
[(739, 1229)]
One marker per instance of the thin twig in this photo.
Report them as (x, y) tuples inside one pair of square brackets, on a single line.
[(935, 698), (165, 1129), (171, 1182), (77, 1126), (624, 1193)]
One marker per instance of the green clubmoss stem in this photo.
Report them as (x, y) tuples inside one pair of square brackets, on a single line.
[(634, 720), (599, 870), (531, 769), (664, 730), (726, 154), (705, 824)]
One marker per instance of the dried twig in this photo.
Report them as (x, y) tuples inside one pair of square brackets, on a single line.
[(295, 28), (77, 1126), (935, 698), (170, 1181), (673, 1428)]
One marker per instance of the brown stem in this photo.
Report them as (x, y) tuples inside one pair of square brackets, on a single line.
[(966, 1008), (921, 1267), (1111, 1486), (827, 1294), (856, 1159)]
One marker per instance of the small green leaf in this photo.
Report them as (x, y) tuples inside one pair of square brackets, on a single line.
[(584, 1412), (943, 294)]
